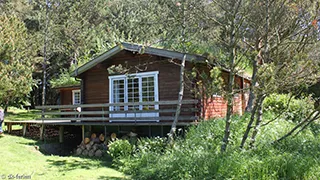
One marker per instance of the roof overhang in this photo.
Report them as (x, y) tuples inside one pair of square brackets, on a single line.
[(66, 87), (139, 49)]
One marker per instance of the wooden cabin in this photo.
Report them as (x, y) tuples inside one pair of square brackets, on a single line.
[(135, 87), (69, 94)]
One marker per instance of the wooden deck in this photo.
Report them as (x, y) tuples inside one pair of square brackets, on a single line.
[(153, 114), (143, 112)]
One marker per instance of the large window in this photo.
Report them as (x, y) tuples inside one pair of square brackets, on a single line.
[(139, 87), (76, 97)]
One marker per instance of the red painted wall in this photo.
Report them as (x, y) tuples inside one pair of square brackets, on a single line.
[(216, 106)]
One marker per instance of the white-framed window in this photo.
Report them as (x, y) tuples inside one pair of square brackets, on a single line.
[(76, 97), (138, 87)]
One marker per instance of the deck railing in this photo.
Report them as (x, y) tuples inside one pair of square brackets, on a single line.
[(160, 111)]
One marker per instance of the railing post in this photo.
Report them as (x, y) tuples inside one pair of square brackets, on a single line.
[(61, 131), (42, 132), (24, 129), (135, 113), (82, 132)]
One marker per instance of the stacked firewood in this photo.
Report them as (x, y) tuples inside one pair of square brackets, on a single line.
[(93, 146), (97, 146)]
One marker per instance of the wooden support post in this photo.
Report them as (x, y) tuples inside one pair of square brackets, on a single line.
[(83, 133), (149, 131), (24, 129), (105, 131), (161, 131), (9, 125), (61, 131), (118, 130), (42, 132)]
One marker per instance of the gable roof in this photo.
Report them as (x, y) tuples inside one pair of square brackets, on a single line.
[(139, 49)]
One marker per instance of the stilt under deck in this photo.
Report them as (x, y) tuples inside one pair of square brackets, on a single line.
[(61, 124)]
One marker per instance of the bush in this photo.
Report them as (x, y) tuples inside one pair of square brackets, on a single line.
[(154, 145), (198, 156), (120, 148), (297, 110)]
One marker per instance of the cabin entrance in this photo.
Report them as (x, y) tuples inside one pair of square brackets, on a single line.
[(128, 92)]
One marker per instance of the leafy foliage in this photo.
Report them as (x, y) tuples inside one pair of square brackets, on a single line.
[(198, 156), (291, 108), (16, 63), (64, 79), (120, 148)]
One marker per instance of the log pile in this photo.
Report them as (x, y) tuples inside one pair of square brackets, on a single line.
[(97, 146), (93, 146)]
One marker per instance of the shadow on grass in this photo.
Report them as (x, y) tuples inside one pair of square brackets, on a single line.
[(68, 165), (111, 178)]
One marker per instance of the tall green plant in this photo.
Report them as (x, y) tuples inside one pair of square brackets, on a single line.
[(16, 60)]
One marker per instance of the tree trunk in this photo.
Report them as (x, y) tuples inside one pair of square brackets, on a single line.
[(232, 48), (5, 108), (181, 82), (249, 126), (228, 121), (249, 106), (255, 64), (229, 103), (258, 121), (180, 97), (44, 65)]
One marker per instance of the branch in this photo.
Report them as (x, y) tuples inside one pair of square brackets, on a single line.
[(296, 127), (306, 125)]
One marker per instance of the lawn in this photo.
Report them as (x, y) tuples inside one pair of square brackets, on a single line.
[(15, 114), (20, 157)]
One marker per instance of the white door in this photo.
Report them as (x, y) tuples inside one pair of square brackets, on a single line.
[(134, 88)]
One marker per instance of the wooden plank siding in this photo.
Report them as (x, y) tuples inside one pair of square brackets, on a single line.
[(96, 81), (66, 95)]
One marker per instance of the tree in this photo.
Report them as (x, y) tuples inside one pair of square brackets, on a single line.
[(16, 60), (280, 34), (223, 22)]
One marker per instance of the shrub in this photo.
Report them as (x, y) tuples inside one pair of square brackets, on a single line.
[(120, 148), (155, 145), (296, 111), (198, 156)]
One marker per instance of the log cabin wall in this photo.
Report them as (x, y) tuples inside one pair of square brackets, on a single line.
[(66, 95), (96, 81)]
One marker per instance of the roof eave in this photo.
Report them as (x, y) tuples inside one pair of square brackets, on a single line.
[(139, 49), (95, 61)]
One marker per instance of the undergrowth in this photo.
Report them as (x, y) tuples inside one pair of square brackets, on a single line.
[(198, 156)]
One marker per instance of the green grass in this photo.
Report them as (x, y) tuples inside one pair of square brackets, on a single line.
[(15, 114), (19, 156), (198, 156)]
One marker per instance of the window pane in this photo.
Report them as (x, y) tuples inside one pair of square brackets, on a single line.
[(148, 89), (133, 92), (118, 93)]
